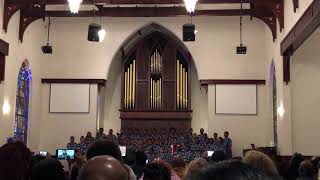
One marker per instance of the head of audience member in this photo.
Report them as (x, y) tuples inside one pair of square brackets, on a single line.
[(103, 167), (215, 136), (104, 147), (201, 131), (228, 170), (315, 161), (306, 169), (218, 156), (110, 131), (178, 166), (15, 161), (226, 134), (190, 131), (141, 158), (261, 161), (196, 165), (36, 158), (156, 171), (72, 139), (48, 169), (89, 135), (98, 135), (293, 171), (101, 130)]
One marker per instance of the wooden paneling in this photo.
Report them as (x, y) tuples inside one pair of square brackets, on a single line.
[(2, 66), (232, 81), (74, 81)]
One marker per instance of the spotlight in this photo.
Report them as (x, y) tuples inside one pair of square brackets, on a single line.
[(242, 49), (189, 32), (47, 49)]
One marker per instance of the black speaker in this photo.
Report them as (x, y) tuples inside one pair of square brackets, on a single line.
[(93, 32), (189, 32), (46, 49), (242, 49)]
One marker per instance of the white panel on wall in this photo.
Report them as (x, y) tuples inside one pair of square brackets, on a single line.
[(236, 99), (69, 98)]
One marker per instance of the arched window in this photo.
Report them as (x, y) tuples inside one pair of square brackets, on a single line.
[(22, 102)]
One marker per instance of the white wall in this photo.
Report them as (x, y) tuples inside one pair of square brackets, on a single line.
[(56, 128), (305, 96), (244, 130), (30, 50)]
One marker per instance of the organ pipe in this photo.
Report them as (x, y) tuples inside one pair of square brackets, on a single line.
[(156, 62), (182, 86), (129, 86)]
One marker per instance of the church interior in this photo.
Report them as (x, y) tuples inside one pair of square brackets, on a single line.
[(246, 67)]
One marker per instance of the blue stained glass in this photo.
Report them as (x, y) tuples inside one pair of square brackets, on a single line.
[(22, 103)]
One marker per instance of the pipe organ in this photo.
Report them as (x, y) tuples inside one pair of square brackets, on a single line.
[(181, 85), (155, 80), (130, 85)]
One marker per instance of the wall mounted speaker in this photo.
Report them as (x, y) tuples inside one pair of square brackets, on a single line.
[(189, 32), (93, 32), (46, 49)]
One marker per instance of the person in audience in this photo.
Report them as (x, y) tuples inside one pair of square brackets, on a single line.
[(178, 166), (315, 161), (89, 139), (196, 164), (228, 170), (78, 163), (140, 163), (15, 161), (261, 161), (228, 145), (111, 136), (174, 175), (101, 131), (306, 171), (82, 146), (156, 171), (48, 169), (111, 148), (218, 156), (72, 144), (103, 167), (293, 170)]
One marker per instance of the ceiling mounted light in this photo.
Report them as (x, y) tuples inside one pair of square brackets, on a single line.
[(102, 34), (74, 5), (190, 5)]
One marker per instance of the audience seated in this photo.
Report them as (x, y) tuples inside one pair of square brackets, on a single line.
[(178, 166), (218, 156), (293, 170), (228, 170), (196, 164), (48, 169), (103, 167), (261, 161), (306, 171), (15, 161), (156, 171)]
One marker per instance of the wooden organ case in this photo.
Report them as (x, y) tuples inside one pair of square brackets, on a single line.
[(156, 85)]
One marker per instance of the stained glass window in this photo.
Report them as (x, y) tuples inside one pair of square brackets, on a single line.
[(274, 102), (22, 102)]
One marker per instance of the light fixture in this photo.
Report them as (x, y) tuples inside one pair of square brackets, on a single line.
[(241, 49), (190, 5), (102, 32), (6, 108), (74, 5), (281, 110), (47, 49)]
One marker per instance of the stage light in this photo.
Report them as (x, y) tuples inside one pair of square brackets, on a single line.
[(190, 5), (102, 34), (6, 108), (74, 5)]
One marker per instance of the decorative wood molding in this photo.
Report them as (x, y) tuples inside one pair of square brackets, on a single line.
[(306, 25), (32, 10), (4, 51), (295, 5), (206, 82), (100, 82), (155, 115)]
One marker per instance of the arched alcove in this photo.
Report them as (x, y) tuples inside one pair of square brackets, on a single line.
[(114, 91)]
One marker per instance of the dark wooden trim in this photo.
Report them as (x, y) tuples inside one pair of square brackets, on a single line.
[(4, 51), (306, 25), (286, 68), (75, 81), (295, 5), (205, 82), (155, 115), (4, 47)]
